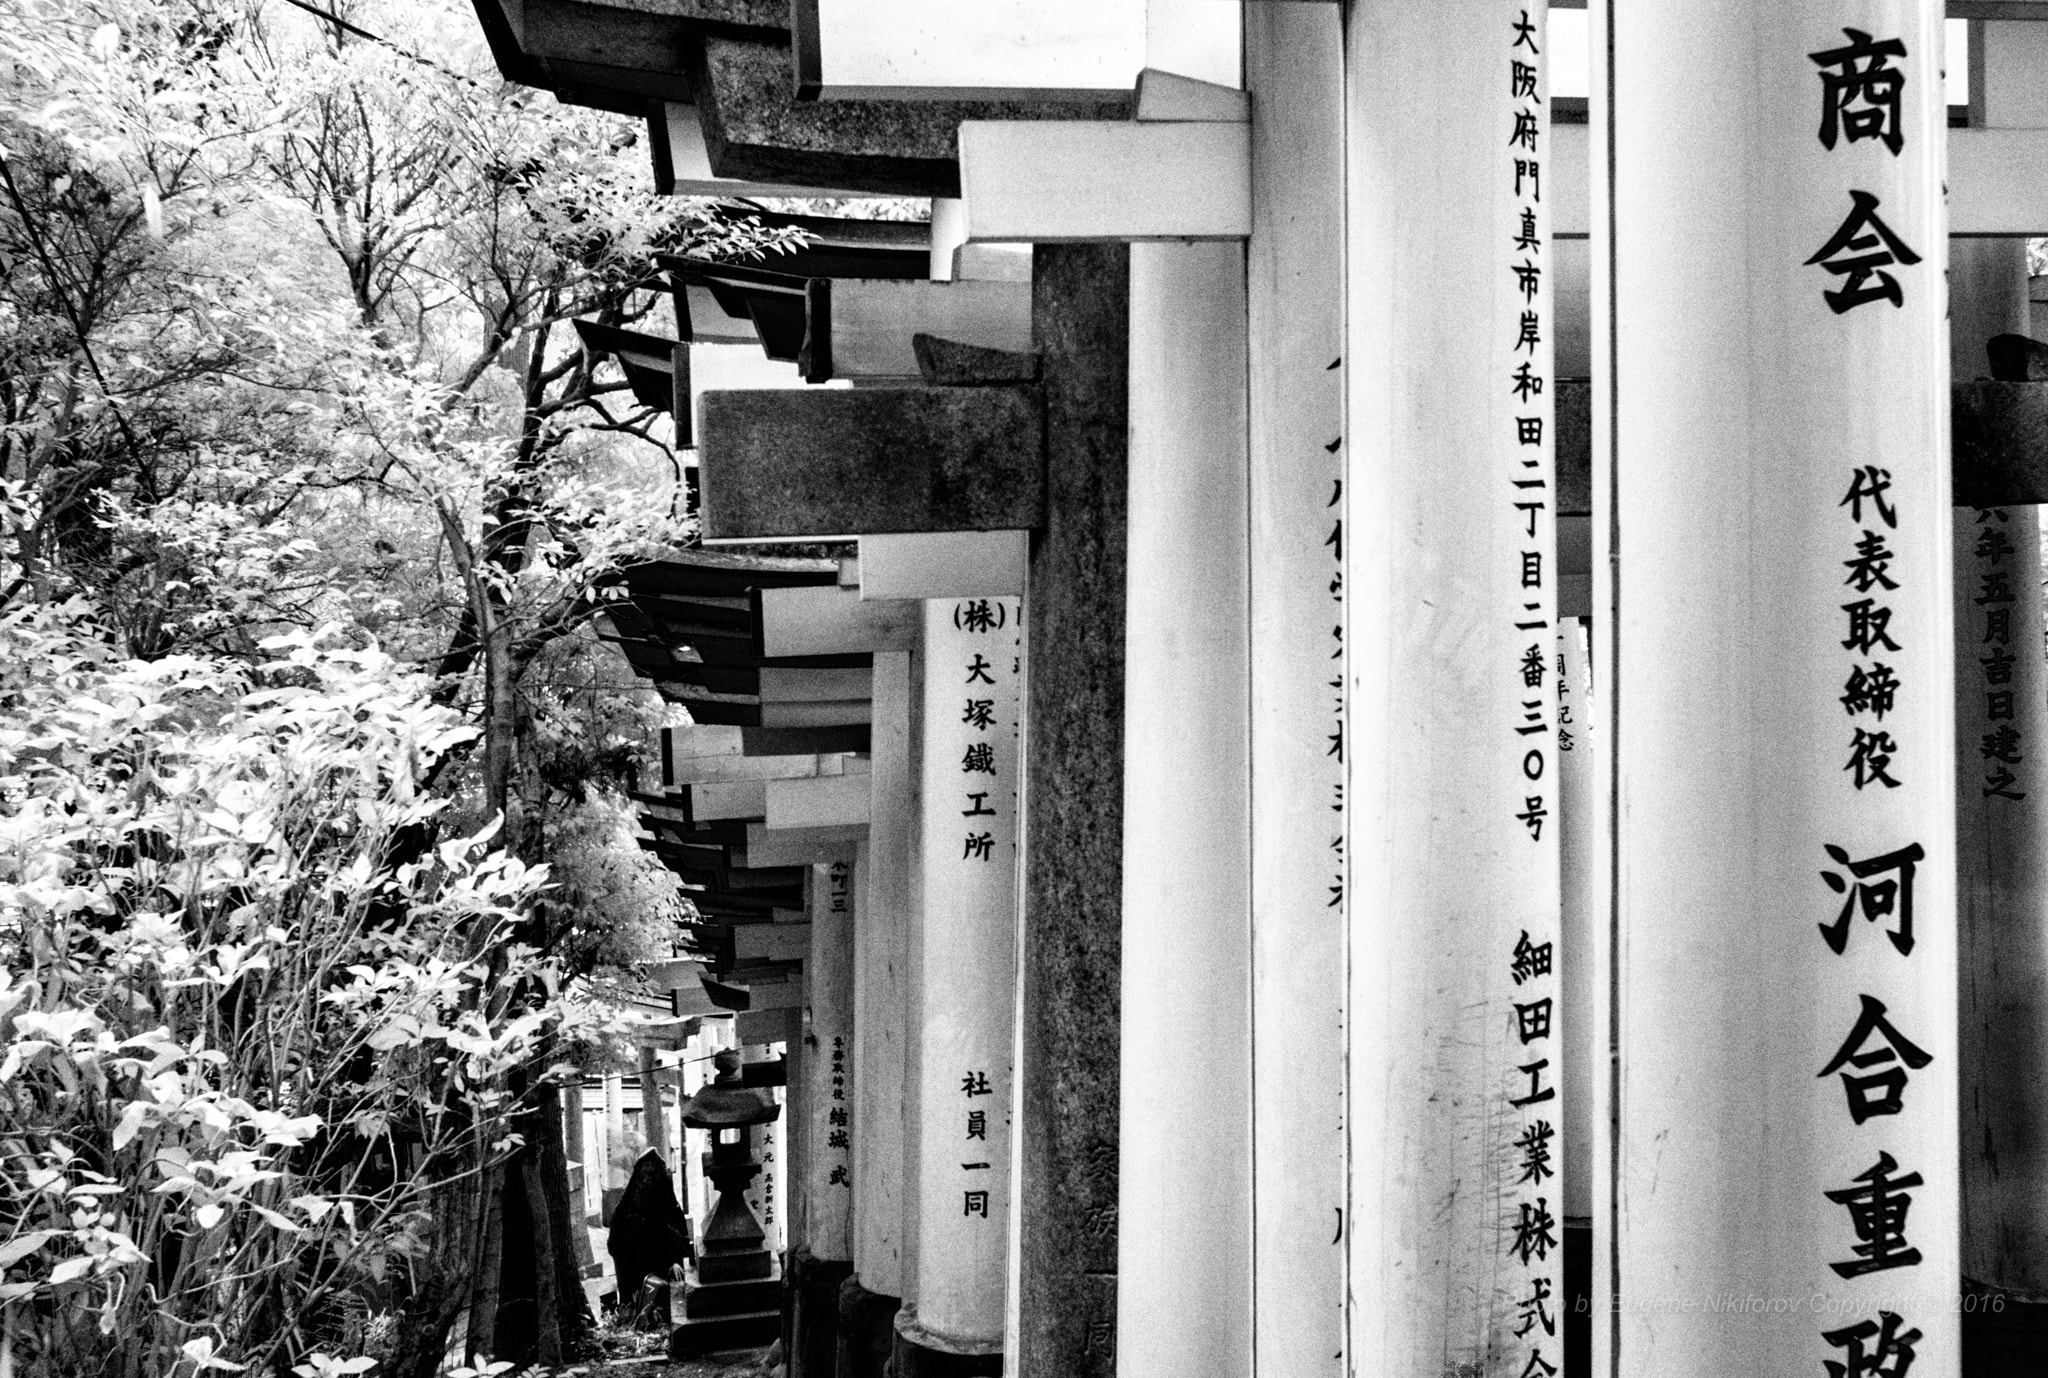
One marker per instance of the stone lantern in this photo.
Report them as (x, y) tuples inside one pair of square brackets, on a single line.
[(732, 1293)]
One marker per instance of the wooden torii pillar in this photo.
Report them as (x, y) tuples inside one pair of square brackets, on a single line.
[(1771, 437), (1457, 1035)]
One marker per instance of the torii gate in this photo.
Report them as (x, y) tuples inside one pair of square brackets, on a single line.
[(1769, 412)]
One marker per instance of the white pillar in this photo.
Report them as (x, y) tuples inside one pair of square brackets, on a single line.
[(1456, 1052), (1295, 72), (828, 1063), (1184, 1296), (1779, 451), (766, 1193), (1583, 1009), (972, 668), (614, 1126), (2001, 830), (881, 988)]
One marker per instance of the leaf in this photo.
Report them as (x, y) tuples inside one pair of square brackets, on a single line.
[(70, 1270), (21, 1246)]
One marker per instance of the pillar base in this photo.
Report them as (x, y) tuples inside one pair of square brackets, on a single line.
[(2002, 1333), (726, 1315), (924, 1353), (1578, 1296), (867, 1330), (810, 1334)]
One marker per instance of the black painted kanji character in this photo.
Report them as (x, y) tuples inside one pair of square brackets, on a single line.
[(976, 1084), (980, 713), (1538, 1092), (1531, 959), (1890, 1357), (1535, 1146), (979, 615), (1877, 1213), (1870, 758), (980, 759), (1532, 1020), (1858, 253), (1860, 91), (1872, 565), (2000, 786), (1891, 897), (1870, 691), (1534, 1312), (1869, 626), (1997, 666), (1875, 1093), (1869, 484), (1993, 545), (2001, 744), (1533, 1237), (1997, 626)]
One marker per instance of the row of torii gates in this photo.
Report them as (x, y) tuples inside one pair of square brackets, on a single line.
[(1444, 695)]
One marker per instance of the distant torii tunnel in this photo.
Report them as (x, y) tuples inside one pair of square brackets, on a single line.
[(1430, 761)]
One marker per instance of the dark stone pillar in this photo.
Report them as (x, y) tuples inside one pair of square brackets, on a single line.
[(811, 1334), (867, 1331), (1073, 870)]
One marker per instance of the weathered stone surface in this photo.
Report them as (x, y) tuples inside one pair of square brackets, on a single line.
[(589, 47), (756, 129), (1073, 869), (2000, 433), (863, 461), (950, 363), (867, 1330), (812, 1334)]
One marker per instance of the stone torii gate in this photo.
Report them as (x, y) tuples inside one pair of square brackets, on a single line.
[(1310, 505)]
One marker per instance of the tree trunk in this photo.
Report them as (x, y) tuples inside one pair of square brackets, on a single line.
[(441, 1284), (549, 1168), (483, 1297), (547, 1279)]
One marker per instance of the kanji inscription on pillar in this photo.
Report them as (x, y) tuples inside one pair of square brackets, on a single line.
[(1784, 682), (973, 673), (1533, 1115)]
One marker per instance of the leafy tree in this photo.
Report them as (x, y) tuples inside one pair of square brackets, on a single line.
[(288, 354)]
